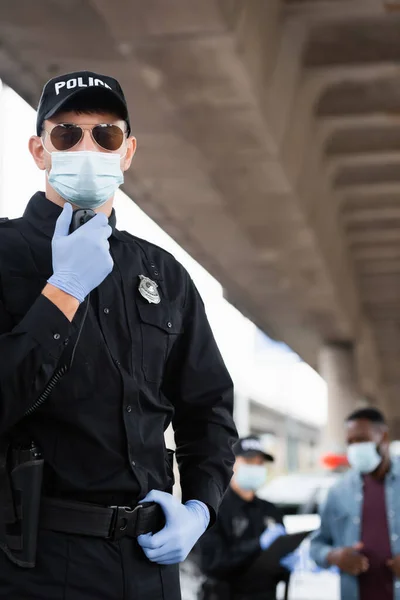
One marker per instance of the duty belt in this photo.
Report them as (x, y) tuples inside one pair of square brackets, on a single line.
[(109, 522)]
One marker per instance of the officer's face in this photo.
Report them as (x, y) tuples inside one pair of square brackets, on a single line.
[(38, 146), (258, 459), (250, 474)]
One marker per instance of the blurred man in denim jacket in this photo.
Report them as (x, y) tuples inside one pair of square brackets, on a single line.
[(360, 522)]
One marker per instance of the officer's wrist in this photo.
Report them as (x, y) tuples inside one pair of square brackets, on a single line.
[(201, 509), (66, 303)]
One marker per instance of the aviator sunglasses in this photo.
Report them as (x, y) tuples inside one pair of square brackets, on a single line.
[(67, 135)]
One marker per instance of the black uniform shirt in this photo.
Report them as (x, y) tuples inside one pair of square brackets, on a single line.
[(137, 366), (233, 543)]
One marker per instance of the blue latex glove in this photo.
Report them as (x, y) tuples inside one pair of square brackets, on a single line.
[(270, 535), (185, 523), (81, 260), (290, 561)]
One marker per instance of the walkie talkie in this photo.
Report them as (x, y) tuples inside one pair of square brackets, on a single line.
[(80, 217)]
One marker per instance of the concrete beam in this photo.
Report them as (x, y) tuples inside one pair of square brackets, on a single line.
[(362, 216), (339, 10)]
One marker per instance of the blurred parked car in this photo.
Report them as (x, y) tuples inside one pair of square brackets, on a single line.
[(299, 493)]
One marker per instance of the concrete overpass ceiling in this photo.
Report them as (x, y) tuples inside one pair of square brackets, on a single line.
[(359, 108), (268, 146)]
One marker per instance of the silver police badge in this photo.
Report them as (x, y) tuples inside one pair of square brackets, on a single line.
[(148, 289)]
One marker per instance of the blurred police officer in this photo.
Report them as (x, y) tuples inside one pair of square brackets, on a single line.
[(360, 522), (145, 356), (232, 551)]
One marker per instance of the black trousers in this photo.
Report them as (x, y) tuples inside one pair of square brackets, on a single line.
[(70, 567)]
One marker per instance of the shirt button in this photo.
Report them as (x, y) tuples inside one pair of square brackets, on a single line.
[(106, 311), (356, 520), (66, 342), (392, 513), (395, 537), (133, 463), (117, 362), (169, 324), (56, 336), (128, 408), (155, 273), (397, 584)]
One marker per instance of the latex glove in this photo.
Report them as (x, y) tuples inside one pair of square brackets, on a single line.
[(81, 260), (270, 535), (185, 523), (290, 561)]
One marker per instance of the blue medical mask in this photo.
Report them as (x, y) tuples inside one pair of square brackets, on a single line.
[(364, 457), (251, 477), (85, 178)]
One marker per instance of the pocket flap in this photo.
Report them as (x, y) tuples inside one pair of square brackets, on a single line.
[(159, 316)]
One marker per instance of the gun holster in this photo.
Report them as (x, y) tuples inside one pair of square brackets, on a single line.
[(21, 476)]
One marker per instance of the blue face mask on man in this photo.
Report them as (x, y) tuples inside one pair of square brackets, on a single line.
[(364, 457), (85, 178), (251, 477)]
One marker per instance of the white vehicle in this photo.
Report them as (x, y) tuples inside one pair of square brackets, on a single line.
[(299, 493)]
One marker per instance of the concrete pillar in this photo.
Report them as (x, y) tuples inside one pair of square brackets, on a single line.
[(337, 367)]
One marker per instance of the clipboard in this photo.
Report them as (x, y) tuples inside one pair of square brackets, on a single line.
[(270, 558)]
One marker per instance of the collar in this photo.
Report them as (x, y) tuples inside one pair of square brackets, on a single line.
[(42, 214), (239, 500), (394, 470)]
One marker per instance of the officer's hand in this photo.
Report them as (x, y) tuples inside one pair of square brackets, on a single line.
[(270, 535), (82, 260), (394, 565), (185, 523), (349, 559), (290, 561)]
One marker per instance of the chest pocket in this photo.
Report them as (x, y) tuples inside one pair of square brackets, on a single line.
[(160, 327), (20, 292), (239, 526)]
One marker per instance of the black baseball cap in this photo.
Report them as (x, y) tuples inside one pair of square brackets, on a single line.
[(61, 89), (251, 446)]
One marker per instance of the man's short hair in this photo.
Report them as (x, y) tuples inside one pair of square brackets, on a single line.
[(369, 414)]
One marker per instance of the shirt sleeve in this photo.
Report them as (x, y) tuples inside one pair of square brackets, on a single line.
[(322, 539), (198, 385), (29, 356)]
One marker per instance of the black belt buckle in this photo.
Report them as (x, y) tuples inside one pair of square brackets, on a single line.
[(124, 521)]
